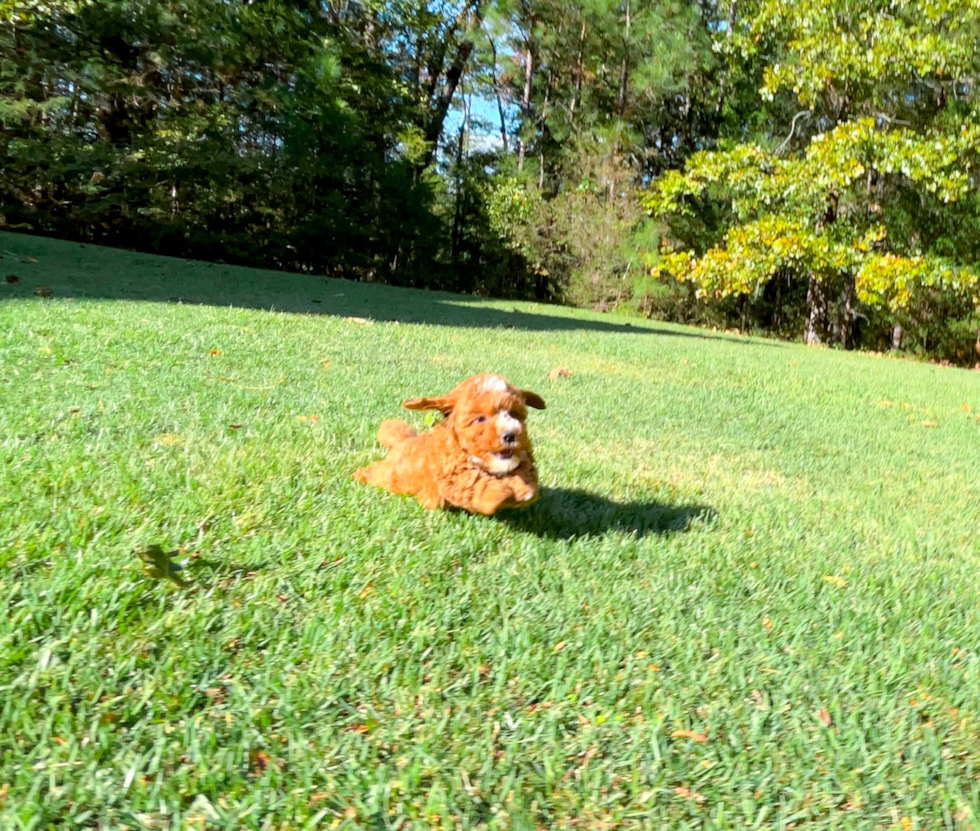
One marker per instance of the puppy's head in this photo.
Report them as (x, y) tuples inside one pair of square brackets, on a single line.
[(487, 416)]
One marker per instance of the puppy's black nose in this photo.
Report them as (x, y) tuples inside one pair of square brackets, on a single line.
[(509, 438)]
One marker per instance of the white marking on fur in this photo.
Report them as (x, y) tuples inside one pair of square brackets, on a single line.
[(496, 464), (493, 383), (506, 423), (500, 465)]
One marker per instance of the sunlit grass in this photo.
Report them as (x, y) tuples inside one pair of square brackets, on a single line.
[(740, 539)]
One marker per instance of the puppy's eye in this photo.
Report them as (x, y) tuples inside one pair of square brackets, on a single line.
[(479, 419)]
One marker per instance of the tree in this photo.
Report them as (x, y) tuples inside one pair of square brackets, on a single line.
[(288, 133), (877, 161)]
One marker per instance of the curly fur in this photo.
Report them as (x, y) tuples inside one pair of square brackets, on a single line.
[(478, 458)]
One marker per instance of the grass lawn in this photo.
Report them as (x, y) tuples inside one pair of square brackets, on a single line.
[(748, 598)]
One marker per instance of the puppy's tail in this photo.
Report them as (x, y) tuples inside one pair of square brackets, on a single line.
[(395, 432)]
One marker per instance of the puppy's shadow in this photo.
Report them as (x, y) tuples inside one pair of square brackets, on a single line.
[(561, 513)]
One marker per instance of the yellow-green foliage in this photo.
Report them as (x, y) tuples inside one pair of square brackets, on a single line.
[(782, 204), (822, 211)]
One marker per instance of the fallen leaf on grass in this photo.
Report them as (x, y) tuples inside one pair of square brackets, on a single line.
[(689, 734), (929, 424), (886, 403), (282, 598), (840, 582), (560, 646), (260, 760), (326, 365), (13, 278), (236, 426), (359, 320), (588, 756), (687, 793), (215, 352), (825, 717), (559, 372), (767, 623), (29, 260)]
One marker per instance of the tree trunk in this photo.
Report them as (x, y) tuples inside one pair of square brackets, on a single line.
[(526, 103), (545, 132), (729, 33), (818, 292), (897, 334), (579, 70), (496, 90), (847, 312), (625, 70), (433, 129), (439, 107), (818, 312), (458, 212)]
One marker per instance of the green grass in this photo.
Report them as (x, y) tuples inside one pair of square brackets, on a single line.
[(346, 659)]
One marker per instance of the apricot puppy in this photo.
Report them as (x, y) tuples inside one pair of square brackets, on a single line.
[(478, 458)]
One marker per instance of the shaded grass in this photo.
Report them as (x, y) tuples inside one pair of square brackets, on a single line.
[(736, 536)]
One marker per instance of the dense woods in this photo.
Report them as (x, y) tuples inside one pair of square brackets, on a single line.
[(807, 169)]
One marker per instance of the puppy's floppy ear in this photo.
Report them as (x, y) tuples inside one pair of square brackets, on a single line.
[(444, 403), (532, 399)]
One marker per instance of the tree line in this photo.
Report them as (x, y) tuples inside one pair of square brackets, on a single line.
[(806, 168)]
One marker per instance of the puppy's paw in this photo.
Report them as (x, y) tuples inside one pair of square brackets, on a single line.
[(524, 494), (360, 475)]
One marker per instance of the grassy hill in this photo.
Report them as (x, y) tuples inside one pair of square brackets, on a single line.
[(747, 598)]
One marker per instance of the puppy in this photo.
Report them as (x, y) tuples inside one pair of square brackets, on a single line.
[(478, 458)]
